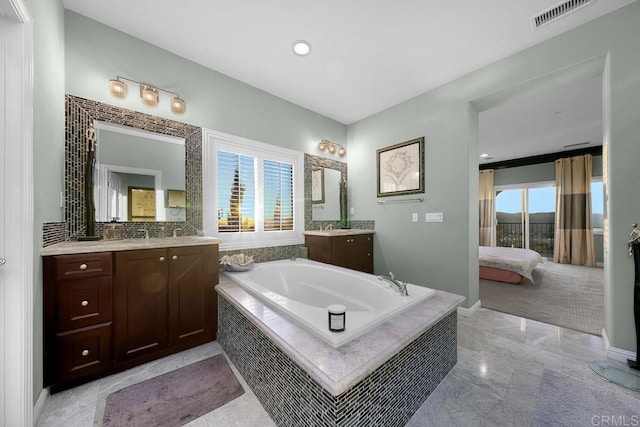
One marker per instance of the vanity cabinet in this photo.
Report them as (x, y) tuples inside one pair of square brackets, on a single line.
[(354, 251), (164, 298), (110, 311), (78, 317)]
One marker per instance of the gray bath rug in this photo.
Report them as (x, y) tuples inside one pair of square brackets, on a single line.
[(174, 398), (566, 401)]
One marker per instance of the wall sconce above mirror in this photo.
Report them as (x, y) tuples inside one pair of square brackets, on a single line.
[(332, 147), (148, 93)]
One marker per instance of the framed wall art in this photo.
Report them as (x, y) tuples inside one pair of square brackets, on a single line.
[(400, 168)]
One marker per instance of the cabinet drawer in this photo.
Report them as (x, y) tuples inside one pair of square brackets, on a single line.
[(81, 266), (84, 303), (84, 352)]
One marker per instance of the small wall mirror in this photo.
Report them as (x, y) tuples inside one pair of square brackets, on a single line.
[(326, 194), (140, 175), (322, 189)]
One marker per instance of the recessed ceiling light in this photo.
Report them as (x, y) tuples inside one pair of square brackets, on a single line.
[(301, 47), (484, 155)]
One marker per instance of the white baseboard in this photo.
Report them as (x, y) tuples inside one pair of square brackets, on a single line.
[(468, 312), (615, 353), (39, 406)]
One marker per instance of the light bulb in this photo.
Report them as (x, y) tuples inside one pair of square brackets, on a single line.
[(118, 88), (342, 152), (332, 148), (322, 145), (150, 96), (177, 105)]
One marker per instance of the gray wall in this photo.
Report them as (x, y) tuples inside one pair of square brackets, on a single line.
[(445, 255), (48, 146), (96, 53), (544, 172)]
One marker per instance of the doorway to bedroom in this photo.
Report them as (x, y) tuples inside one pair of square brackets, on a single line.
[(520, 141)]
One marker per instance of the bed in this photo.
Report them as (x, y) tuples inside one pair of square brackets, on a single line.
[(511, 265)]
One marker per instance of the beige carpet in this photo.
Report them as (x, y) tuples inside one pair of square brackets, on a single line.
[(563, 295)]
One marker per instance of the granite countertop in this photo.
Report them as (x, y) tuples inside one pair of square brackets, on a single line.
[(66, 248), (338, 232), (338, 369)]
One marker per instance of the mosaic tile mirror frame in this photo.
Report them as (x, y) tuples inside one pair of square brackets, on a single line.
[(81, 112)]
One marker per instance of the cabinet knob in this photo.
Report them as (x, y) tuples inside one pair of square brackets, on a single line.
[(174, 257), (161, 258), (368, 254), (85, 352), (84, 303), (83, 266)]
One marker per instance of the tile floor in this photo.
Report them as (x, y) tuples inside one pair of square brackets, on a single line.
[(496, 382)]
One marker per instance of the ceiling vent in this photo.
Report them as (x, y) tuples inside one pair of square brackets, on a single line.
[(577, 144), (558, 11)]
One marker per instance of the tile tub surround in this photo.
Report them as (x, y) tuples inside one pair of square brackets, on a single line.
[(67, 248), (383, 376)]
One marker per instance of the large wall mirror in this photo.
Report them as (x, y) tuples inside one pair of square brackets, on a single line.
[(323, 201), (140, 175), (148, 169)]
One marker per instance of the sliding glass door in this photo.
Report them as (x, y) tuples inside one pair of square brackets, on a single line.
[(525, 217)]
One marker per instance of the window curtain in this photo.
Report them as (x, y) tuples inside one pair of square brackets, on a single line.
[(573, 242), (486, 197)]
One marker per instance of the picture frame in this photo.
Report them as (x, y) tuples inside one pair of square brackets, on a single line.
[(400, 168), (176, 199), (142, 204), (317, 185)]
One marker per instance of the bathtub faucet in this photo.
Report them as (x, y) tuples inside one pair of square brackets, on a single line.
[(402, 286)]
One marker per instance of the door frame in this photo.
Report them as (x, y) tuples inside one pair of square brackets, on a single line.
[(17, 141)]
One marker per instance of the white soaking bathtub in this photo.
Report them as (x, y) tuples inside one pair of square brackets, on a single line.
[(303, 289)]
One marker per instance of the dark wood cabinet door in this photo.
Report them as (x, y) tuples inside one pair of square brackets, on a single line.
[(193, 274), (319, 248), (361, 258), (140, 302), (343, 250)]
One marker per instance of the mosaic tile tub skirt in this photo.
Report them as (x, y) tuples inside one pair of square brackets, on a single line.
[(388, 396)]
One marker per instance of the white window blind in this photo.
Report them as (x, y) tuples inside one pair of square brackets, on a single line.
[(278, 196), (253, 192), (236, 193)]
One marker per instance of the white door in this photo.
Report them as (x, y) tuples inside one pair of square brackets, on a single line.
[(16, 215)]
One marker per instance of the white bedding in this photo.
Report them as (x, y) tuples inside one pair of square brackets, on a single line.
[(521, 261)]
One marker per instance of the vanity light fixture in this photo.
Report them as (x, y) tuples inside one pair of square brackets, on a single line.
[(332, 147), (148, 93)]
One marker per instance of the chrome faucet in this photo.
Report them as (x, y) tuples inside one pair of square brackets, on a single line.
[(146, 232), (175, 231), (402, 286), (329, 227)]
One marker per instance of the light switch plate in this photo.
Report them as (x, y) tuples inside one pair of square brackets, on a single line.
[(414, 217), (352, 210), (434, 217)]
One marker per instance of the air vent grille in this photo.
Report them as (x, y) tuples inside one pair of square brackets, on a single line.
[(557, 11), (577, 144)]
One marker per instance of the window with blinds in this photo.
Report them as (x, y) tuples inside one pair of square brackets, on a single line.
[(278, 196), (236, 193), (253, 193)]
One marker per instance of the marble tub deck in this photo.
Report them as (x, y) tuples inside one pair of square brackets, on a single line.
[(496, 382), (339, 369)]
